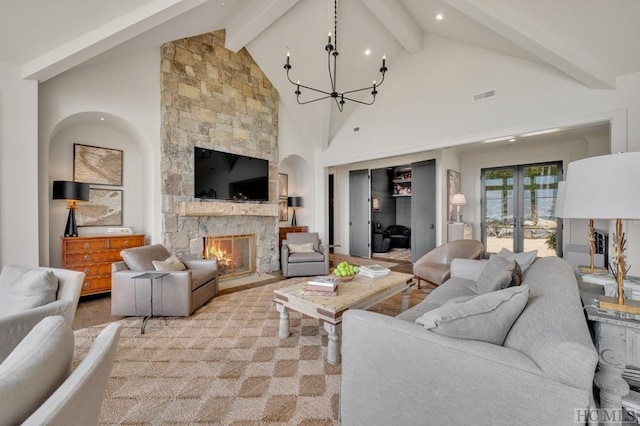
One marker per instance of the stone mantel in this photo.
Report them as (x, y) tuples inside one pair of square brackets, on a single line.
[(227, 209)]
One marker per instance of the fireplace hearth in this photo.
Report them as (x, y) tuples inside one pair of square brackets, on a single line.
[(235, 254)]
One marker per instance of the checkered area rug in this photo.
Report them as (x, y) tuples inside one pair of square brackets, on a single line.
[(224, 365)]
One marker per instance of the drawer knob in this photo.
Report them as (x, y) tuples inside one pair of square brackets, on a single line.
[(86, 257), (86, 245), (86, 271), (85, 285), (126, 243)]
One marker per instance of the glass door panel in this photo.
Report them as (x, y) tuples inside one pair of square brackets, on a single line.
[(518, 208), (539, 222), (499, 208)]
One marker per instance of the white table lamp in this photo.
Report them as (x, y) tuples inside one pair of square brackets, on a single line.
[(458, 200), (606, 187)]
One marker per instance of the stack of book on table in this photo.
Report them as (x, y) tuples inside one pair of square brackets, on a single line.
[(326, 285), (373, 271)]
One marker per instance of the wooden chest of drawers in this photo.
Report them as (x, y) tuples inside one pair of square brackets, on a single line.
[(94, 255)]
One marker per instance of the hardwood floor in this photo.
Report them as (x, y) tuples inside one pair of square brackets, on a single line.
[(95, 310)]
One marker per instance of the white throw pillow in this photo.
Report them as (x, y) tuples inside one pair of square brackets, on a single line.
[(171, 264), (496, 275), (524, 259), (301, 248), (487, 317), (23, 288), (35, 369)]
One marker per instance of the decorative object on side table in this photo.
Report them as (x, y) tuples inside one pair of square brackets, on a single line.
[(72, 192), (600, 188)]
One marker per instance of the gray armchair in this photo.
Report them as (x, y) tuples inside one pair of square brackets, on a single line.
[(435, 266), (15, 326), (303, 254), (178, 294)]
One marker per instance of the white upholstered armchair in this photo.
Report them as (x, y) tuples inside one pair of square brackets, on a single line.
[(18, 287)]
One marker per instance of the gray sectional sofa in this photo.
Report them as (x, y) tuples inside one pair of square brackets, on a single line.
[(405, 371)]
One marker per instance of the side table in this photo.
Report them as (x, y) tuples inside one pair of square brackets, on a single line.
[(616, 336), (151, 276)]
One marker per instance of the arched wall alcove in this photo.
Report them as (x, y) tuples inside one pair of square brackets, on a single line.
[(102, 130), (300, 177)]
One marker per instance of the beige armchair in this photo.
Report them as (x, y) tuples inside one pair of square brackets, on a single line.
[(15, 326), (303, 254), (178, 294), (434, 267)]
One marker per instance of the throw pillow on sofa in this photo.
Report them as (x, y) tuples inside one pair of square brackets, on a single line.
[(487, 317), (496, 275), (524, 259), (171, 264), (301, 248), (25, 288)]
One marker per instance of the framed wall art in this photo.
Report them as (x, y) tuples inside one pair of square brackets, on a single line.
[(96, 165), (283, 186), (104, 208), (453, 187), (283, 210)]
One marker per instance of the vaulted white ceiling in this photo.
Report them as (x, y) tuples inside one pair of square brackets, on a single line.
[(591, 41)]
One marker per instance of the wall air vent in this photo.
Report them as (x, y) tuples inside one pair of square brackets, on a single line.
[(484, 95), (356, 129)]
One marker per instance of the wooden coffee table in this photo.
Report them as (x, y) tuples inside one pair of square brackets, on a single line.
[(359, 293)]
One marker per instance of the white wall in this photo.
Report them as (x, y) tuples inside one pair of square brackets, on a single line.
[(18, 168), (438, 113), (105, 135), (127, 88)]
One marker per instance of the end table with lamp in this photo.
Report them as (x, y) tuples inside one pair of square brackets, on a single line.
[(599, 188)]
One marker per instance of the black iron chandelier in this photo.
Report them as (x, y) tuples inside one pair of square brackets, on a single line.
[(339, 97)]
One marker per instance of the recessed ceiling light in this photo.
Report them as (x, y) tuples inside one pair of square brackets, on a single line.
[(504, 138), (101, 118), (439, 17), (367, 52), (512, 140), (540, 132)]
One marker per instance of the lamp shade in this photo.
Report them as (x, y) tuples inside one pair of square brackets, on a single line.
[(458, 200), (66, 190), (294, 202), (603, 187)]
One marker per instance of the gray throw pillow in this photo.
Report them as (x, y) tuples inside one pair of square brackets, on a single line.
[(496, 275), (516, 276), (487, 317), (524, 259), (24, 287)]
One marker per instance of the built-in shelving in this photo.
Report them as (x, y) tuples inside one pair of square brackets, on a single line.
[(402, 182)]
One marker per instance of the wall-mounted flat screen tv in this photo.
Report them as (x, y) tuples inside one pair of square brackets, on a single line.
[(224, 176)]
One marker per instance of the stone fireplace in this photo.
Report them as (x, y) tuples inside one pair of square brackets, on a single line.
[(235, 254), (218, 99)]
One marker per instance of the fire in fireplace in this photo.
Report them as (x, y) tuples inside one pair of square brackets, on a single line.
[(235, 254)]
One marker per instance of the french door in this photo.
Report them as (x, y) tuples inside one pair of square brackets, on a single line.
[(518, 204)]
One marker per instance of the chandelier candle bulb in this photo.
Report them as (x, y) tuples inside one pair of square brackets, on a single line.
[(288, 56), (384, 60), (329, 38)]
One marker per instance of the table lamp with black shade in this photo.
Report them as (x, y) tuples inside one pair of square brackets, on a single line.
[(294, 202), (606, 187), (71, 192)]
